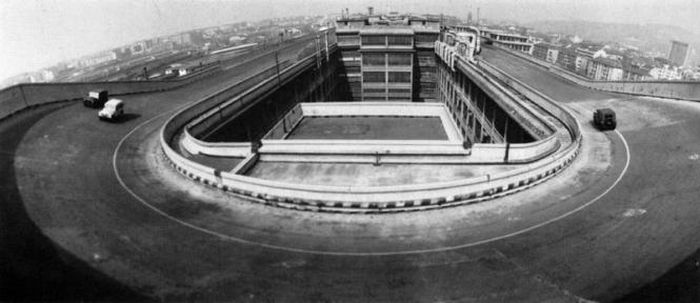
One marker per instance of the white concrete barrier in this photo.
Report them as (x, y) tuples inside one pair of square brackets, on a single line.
[(219, 149)]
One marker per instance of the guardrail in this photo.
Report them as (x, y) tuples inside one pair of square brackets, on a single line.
[(686, 90), (375, 199)]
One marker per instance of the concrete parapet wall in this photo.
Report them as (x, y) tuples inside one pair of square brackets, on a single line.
[(286, 125), (223, 149), (436, 147), (367, 158), (18, 97), (686, 90), (514, 153)]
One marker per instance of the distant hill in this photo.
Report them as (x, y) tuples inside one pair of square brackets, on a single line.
[(648, 37)]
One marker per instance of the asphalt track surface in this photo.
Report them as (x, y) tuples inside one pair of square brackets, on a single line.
[(98, 204)]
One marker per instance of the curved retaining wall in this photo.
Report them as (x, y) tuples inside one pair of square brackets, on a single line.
[(686, 90), (18, 97), (374, 199), (219, 149)]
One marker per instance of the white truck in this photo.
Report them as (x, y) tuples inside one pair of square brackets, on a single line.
[(113, 110)]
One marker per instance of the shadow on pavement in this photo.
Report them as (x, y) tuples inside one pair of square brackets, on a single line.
[(32, 267)]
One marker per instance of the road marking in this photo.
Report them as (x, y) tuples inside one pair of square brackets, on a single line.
[(341, 253)]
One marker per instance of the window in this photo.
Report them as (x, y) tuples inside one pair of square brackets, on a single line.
[(400, 91), (374, 90), (426, 60), (400, 40), (348, 40), (373, 77), (352, 69), (373, 40), (373, 59), (403, 77), (400, 59)]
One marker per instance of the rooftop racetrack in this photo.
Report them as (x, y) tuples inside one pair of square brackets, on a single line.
[(617, 239)]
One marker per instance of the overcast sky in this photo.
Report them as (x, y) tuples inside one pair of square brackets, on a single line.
[(39, 33)]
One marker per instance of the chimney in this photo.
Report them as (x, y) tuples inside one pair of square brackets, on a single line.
[(370, 10)]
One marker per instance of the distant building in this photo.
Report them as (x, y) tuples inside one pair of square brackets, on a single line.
[(567, 58), (665, 72), (679, 52), (98, 58), (634, 70), (604, 69), (546, 51), (236, 39), (585, 53), (138, 48), (510, 40)]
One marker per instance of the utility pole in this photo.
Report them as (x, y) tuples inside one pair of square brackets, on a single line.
[(277, 65)]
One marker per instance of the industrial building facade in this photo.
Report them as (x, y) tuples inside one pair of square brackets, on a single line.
[(388, 58)]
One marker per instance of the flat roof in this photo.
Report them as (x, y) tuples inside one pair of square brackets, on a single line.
[(369, 128), (386, 30)]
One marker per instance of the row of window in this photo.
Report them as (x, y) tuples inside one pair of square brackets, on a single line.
[(392, 91), (348, 40), (380, 77), (384, 59), (373, 40)]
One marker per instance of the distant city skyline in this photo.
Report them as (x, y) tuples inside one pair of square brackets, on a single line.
[(35, 34)]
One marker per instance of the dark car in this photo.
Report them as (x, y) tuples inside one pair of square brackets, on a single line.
[(604, 119), (96, 99)]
